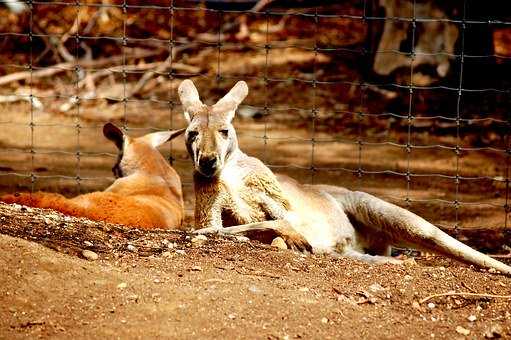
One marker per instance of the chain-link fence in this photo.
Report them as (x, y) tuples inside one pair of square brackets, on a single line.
[(408, 100)]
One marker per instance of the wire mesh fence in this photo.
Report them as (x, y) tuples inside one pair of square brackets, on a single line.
[(405, 99)]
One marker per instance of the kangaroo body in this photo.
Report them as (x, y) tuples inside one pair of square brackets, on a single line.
[(238, 194), (147, 193)]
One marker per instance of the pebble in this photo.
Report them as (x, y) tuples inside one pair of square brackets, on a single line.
[(166, 254), (494, 331), (324, 320), (122, 285), (416, 305), (376, 287), (303, 289), (196, 268), (88, 243), (472, 318), (90, 255), (132, 248), (231, 316), (462, 330), (199, 239), (254, 289), (278, 242), (242, 239), (180, 251), (431, 305)]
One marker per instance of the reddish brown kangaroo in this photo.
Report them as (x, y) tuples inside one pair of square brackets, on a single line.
[(146, 194)]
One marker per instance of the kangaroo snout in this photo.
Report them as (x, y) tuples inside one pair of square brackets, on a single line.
[(208, 166)]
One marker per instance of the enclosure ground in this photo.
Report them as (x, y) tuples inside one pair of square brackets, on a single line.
[(223, 288)]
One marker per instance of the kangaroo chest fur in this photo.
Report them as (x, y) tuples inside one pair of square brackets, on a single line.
[(237, 196)]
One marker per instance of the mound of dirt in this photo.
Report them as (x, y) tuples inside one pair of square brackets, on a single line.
[(139, 284)]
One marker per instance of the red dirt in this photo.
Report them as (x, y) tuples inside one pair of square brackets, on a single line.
[(222, 288)]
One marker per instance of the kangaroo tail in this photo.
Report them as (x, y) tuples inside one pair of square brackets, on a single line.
[(403, 226), (43, 200)]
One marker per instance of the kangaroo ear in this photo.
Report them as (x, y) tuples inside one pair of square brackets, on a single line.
[(229, 103), (189, 97), (113, 133), (158, 138)]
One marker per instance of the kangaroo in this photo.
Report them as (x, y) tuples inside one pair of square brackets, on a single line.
[(238, 194), (147, 192)]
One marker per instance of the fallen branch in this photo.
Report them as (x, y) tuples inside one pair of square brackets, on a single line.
[(69, 66), (466, 294), (162, 67), (36, 103)]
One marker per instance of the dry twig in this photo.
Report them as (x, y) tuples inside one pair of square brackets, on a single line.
[(68, 66), (466, 294)]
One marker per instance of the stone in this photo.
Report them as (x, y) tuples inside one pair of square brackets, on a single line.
[(278, 242), (90, 255), (462, 330), (122, 285)]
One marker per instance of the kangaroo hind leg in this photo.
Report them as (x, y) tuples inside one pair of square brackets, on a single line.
[(404, 227)]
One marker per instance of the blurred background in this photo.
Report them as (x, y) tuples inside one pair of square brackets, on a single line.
[(408, 100)]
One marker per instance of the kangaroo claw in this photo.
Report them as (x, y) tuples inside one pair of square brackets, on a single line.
[(295, 241)]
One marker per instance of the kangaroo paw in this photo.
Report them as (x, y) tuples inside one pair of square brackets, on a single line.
[(294, 240)]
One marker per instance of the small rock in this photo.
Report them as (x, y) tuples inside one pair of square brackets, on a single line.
[(90, 255), (431, 305), (231, 316), (254, 289), (416, 305), (133, 297), (242, 239), (199, 239), (88, 243), (472, 318), (196, 268), (492, 270), (156, 281), (303, 289), (462, 330), (324, 320), (122, 285), (180, 252), (166, 254), (494, 331), (376, 287), (278, 242), (132, 248)]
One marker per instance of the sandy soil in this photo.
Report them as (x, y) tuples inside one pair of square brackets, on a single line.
[(223, 288)]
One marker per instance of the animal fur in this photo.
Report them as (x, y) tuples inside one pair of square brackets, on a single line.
[(148, 193), (238, 194)]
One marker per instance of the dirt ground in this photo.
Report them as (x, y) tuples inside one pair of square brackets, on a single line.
[(169, 287)]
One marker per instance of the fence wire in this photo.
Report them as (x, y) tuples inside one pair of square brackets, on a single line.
[(408, 118)]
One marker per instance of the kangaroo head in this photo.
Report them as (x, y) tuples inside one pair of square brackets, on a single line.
[(210, 136), (137, 153)]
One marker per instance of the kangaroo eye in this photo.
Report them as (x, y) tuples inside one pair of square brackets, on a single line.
[(224, 133), (192, 135)]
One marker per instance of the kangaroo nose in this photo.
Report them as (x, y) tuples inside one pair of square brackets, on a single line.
[(208, 165)]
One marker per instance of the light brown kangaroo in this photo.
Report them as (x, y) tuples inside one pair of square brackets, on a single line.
[(238, 194), (147, 192)]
